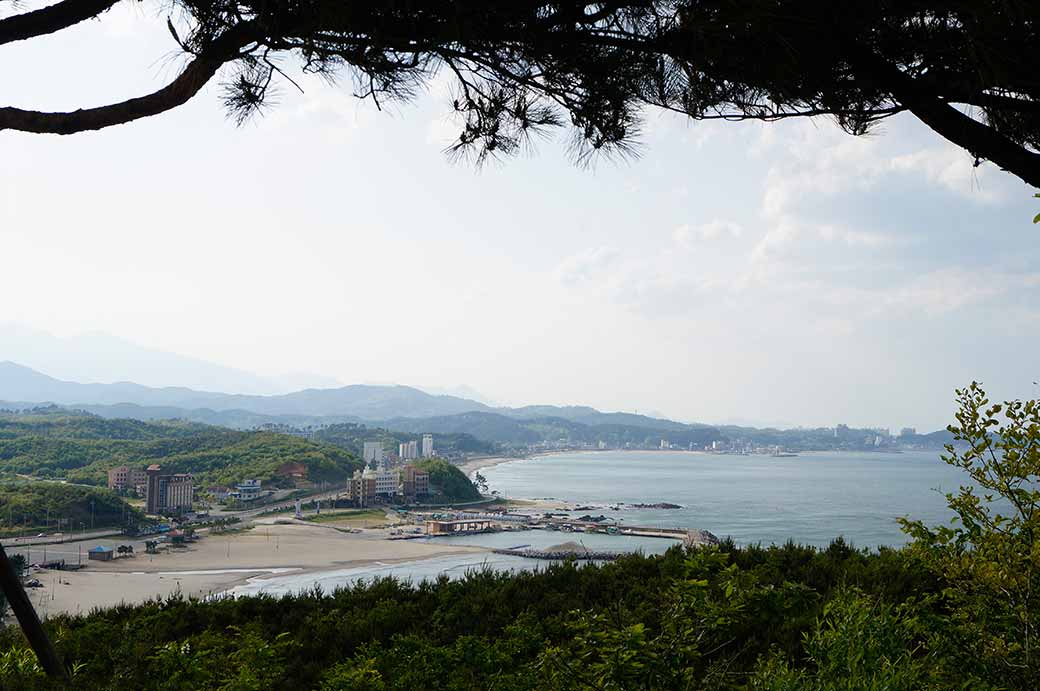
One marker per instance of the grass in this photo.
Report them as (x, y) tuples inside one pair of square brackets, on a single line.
[(359, 517)]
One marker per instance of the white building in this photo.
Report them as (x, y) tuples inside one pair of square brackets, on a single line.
[(427, 446), (386, 481), (409, 451), (373, 452), (248, 490)]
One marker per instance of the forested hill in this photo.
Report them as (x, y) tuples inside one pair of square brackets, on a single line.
[(522, 431), (352, 436), (54, 505), (55, 443)]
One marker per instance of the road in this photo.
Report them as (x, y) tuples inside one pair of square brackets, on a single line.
[(58, 538), (278, 506)]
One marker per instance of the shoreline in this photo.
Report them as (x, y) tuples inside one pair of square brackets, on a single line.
[(470, 467), (217, 564)]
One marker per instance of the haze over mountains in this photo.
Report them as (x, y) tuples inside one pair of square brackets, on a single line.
[(359, 402), (102, 357), (406, 409)]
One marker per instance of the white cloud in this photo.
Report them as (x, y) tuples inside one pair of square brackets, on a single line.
[(951, 289), (585, 267), (953, 168), (687, 236)]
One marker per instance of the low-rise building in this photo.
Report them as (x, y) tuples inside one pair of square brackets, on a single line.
[(248, 490), (127, 478), (373, 485), (362, 489), (100, 553), (414, 482), (386, 482)]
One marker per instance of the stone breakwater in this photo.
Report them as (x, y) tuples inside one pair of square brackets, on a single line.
[(591, 555), (567, 550), (574, 550)]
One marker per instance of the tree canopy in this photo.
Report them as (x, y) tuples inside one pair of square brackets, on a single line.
[(967, 69), (82, 448)]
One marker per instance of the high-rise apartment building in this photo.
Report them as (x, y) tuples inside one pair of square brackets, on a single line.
[(409, 451), (373, 453), (168, 493), (427, 446)]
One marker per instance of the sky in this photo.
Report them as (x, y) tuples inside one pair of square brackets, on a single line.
[(769, 274)]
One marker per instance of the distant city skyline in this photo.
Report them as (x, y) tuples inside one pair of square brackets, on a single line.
[(770, 273)]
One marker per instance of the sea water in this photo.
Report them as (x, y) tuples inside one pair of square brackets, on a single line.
[(811, 498)]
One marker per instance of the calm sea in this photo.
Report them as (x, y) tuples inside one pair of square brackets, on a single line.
[(811, 498)]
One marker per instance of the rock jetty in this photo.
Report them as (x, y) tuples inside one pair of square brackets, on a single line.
[(658, 505), (699, 538), (567, 550)]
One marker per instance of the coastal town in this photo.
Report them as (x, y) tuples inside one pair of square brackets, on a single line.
[(203, 538), (377, 517)]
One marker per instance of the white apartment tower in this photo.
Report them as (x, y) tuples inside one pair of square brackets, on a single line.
[(373, 453), (427, 446), (408, 451)]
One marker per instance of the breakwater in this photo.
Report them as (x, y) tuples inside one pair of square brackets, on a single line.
[(568, 550)]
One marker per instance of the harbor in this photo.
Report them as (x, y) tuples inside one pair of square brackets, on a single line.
[(470, 523)]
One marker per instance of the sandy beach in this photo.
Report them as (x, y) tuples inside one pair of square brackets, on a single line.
[(216, 563), (472, 466)]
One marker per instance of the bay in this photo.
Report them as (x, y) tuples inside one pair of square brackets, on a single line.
[(810, 498)]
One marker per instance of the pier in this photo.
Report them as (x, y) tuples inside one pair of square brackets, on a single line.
[(465, 523)]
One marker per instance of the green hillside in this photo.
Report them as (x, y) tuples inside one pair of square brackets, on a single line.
[(44, 504), (448, 482), (352, 436), (81, 448), (612, 429)]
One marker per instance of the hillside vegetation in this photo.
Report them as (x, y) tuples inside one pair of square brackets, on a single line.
[(449, 483), (57, 506), (352, 436), (55, 443)]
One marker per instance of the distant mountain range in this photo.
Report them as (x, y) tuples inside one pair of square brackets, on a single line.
[(354, 403), (404, 409), (103, 357)]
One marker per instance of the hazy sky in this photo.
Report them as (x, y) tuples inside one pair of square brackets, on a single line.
[(734, 272)]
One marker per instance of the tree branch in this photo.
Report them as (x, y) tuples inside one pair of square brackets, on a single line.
[(977, 138), (200, 70), (50, 19)]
